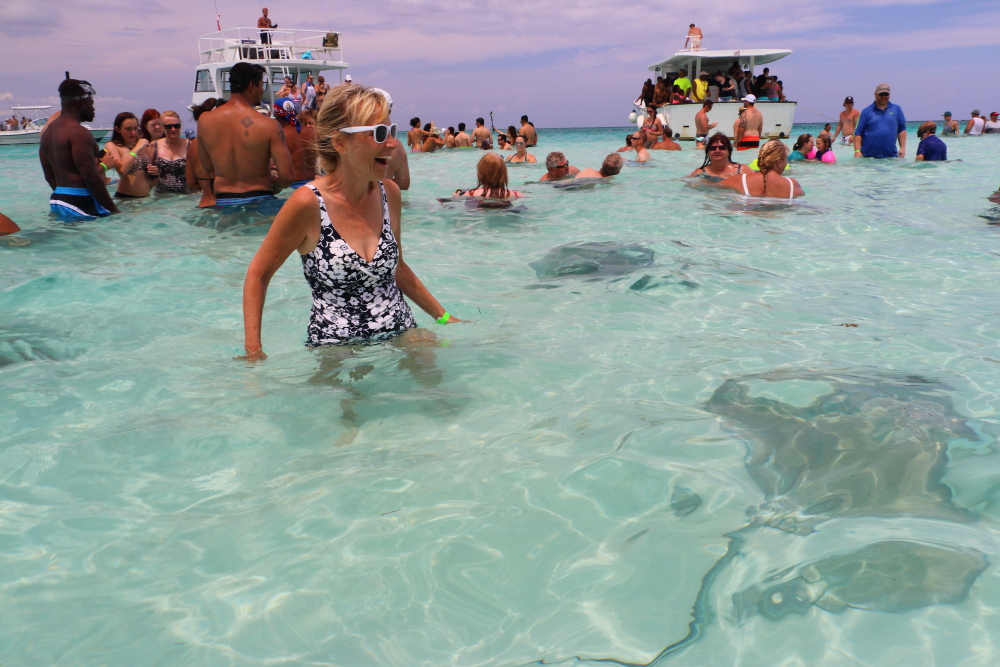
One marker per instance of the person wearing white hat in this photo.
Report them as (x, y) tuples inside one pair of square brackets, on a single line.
[(749, 126), (347, 78)]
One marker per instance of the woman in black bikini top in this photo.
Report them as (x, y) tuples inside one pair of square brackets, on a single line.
[(170, 155)]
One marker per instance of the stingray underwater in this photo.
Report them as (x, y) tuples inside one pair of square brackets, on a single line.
[(864, 452)]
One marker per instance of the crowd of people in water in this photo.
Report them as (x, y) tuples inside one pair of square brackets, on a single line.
[(342, 158)]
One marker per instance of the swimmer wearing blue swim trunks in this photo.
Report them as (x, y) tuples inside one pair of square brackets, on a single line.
[(68, 154), (237, 144)]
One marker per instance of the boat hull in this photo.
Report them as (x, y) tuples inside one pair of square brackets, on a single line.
[(35, 136), (778, 118)]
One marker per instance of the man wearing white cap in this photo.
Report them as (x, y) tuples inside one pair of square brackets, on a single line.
[(749, 126), (347, 78), (879, 127)]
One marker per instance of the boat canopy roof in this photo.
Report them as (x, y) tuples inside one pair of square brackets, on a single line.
[(39, 108), (712, 61), (314, 49)]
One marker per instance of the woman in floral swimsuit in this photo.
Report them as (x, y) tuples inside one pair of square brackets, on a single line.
[(346, 229)]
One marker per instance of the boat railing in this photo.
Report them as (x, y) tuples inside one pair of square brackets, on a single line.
[(256, 44)]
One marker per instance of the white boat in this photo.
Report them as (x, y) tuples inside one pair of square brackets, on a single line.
[(292, 53), (31, 133), (778, 116)]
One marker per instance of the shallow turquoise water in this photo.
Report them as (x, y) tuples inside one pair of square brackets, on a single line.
[(559, 478)]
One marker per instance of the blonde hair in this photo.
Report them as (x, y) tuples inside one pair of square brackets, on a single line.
[(771, 154), (345, 105), (170, 113), (492, 174)]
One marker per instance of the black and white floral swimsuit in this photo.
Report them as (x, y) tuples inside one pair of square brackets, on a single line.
[(354, 300)]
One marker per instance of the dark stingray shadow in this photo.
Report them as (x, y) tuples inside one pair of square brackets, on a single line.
[(866, 448)]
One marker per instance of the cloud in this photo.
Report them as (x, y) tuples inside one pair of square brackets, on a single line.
[(445, 60), (21, 17)]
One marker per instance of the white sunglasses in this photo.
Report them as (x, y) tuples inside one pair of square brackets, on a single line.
[(381, 132)]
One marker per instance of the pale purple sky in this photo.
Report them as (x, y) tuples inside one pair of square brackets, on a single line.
[(566, 64)]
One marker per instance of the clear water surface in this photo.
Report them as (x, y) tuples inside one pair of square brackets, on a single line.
[(672, 435)]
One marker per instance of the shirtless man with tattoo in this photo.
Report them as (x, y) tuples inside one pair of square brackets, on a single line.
[(236, 144)]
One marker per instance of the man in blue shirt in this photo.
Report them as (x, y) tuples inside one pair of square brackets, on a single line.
[(879, 126), (931, 148)]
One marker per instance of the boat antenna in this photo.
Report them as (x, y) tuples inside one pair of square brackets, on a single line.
[(492, 124), (218, 17)]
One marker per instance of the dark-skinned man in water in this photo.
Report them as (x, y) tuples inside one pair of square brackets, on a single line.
[(236, 144), (69, 155)]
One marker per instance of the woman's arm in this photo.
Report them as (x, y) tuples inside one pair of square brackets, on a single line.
[(406, 280), (289, 231)]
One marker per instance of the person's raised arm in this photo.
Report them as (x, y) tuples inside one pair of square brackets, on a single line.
[(407, 281), (288, 232), (84, 152)]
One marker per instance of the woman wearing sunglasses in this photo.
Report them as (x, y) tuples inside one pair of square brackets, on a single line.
[(346, 229), (170, 155), (718, 164)]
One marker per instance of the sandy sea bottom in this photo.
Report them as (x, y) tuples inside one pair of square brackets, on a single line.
[(775, 420)]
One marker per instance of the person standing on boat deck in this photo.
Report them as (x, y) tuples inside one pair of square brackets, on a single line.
[(462, 139), (950, 126), (701, 124), (931, 148), (68, 154), (309, 94), (749, 125), (699, 93), (992, 126), (848, 121), (236, 144), (346, 228), (264, 23), (558, 167), (683, 82), (975, 125), (300, 139), (879, 127), (321, 90), (693, 38), (528, 131), (170, 155), (481, 134)]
